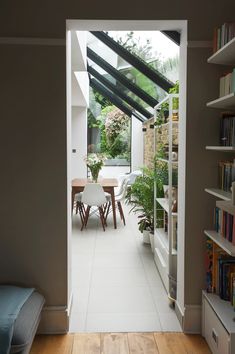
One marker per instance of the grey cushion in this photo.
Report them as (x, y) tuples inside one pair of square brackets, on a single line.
[(26, 324)]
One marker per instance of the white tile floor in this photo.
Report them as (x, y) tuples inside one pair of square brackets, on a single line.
[(116, 286)]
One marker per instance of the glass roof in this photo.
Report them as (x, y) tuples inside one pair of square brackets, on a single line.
[(153, 47)]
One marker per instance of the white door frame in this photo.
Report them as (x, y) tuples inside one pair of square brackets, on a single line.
[(145, 25)]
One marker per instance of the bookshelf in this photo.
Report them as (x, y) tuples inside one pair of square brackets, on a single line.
[(218, 316), (219, 193), (225, 102), (221, 241), (221, 148), (165, 233), (225, 55)]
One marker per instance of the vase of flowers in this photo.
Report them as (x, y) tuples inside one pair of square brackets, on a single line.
[(94, 163)]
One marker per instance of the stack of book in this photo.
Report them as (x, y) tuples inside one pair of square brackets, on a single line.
[(223, 35), (227, 129), (227, 83), (220, 272), (226, 175), (225, 224)]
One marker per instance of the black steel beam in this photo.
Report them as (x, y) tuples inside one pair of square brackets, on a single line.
[(119, 92), (173, 35), (152, 102), (135, 61), (114, 99)]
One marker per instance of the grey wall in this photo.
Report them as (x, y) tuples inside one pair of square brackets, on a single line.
[(33, 130), (47, 19), (33, 169)]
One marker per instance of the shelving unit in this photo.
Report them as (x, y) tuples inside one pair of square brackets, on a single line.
[(221, 148), (165, 236), (218, 316), (219, 193), (225, 102)]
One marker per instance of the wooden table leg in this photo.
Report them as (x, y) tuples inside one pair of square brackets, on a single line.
[(73, 194), (114, 208)]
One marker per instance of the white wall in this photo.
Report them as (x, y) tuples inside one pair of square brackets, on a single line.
[(78, 57), (79, 142), (137, 144), (80, 89), (80, 102)]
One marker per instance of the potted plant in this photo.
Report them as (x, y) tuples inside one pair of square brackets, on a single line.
[(141, 197), (164, 176)]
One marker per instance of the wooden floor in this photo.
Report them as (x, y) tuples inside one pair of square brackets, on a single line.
[(120, 343)]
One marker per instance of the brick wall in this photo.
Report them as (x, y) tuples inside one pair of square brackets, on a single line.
[(148, 143), (162, 137)]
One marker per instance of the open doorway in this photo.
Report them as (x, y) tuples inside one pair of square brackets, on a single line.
[(116, 282)]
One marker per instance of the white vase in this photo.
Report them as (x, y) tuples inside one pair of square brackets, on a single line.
[(146, 238), (151, 237)]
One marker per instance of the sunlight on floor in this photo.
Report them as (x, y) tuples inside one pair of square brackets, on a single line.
[(116, 285)]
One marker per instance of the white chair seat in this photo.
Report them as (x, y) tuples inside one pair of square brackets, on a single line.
[(108, 197), (78, 197)]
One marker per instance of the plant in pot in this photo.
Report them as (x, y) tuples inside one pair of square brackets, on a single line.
[(164, 176), (141, 197)]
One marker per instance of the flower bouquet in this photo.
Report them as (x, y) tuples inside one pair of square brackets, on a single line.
[(94, 163)]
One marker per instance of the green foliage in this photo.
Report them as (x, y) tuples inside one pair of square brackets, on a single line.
[(104, 102), (115, 136), (141, 196), (117, 128), (175, 101), (133, 45)]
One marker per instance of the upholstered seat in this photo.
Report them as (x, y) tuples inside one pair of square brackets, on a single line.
[(26, 324)]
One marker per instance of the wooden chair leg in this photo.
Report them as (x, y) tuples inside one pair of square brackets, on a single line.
[(107, 211), (102, 217), (81, 212), (77, 206), (119, 209), (121, 213), (86, 217)]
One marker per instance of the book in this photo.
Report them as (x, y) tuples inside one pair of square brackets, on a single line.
[(223, 34), (226, 175), (209, 264), (233, 81)]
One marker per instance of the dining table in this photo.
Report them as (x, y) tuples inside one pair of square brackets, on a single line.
[(108, 184)]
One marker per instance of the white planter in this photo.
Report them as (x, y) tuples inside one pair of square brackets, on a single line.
[(146, 238), (151, 237)]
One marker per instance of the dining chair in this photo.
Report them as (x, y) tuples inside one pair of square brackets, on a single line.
[(119, 198), (94, 196), (79, 206)]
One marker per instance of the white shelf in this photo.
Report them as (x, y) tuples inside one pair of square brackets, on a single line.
[(167, 161), (223, 309), (219, 193), (225, 102), (225, 55), (164, 202), (221, 148), (221, 241), (163, 237)]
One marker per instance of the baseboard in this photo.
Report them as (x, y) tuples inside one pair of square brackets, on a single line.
[(55, 319), (180, 314), (192, 319)]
